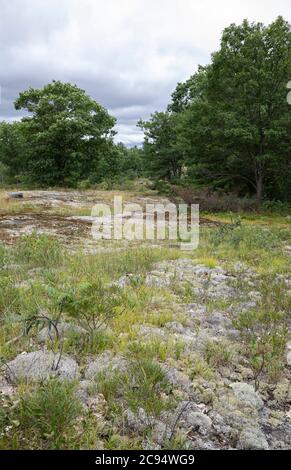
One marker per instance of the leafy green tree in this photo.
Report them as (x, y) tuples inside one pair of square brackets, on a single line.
[(163, 156), (230, 124), (68, 133), (14, 151), (247, 101), (130, 161)]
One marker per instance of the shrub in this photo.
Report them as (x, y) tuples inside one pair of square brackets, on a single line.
[(210, 201), (218, 353), (235, 234), (49, 414), (92, 304)]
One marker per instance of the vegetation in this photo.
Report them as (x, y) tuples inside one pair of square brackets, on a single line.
[(228, 126)]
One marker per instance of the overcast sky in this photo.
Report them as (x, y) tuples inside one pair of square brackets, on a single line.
[(127, 54)]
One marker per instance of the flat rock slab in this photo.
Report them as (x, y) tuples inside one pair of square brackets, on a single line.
[(40, 365)]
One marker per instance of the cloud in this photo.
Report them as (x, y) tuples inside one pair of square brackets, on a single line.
[(127, 54)]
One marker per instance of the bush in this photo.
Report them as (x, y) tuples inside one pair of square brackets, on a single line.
[(276, 206), (236, 234), (210, 201), (91, 303)]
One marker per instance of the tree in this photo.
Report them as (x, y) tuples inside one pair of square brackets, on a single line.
[(68, 133), (247, 96), (163, 157)]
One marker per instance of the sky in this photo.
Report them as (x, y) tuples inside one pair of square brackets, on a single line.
[(127, 54)]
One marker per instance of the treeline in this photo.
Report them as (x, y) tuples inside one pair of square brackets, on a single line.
[(229, 125), (66, 140), (227, 128)]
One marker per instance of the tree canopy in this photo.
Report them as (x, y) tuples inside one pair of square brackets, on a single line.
[(67, 134), (229, 125)]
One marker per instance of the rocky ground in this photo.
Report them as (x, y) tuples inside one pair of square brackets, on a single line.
[(178, 367)]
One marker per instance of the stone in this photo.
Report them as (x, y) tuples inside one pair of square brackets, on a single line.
[(161, 433), (105, 362), (246, 393), (16, 195), (40, 365), (127, 280), (178, 379), (199, 422), (64, 329), (82, 390), (252, 438), (288, 347), (6, 389), (138, 421)]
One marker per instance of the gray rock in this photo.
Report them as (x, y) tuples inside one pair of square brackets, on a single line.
[(40, 365), (246, 393), (126, 280), (64, 329), (199, 422), (178, 379), (161, 433), (82, 390), (105, 362), (5, 388), (252, 438), (16, 195), (139, 421), (157, 280)]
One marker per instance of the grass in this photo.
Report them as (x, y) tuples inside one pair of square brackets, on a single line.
[(46, 415)]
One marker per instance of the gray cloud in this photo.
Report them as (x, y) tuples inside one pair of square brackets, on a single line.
[(127, 54)]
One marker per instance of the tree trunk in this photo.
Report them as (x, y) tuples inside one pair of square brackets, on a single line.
[(259, 188)]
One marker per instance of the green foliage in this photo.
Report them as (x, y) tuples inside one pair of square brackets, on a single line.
[(146, 381), (38, 250), (14, 152), (164, 157), (236, 234), (91, 303), (218, 353), (228, 126), (46, 415)]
